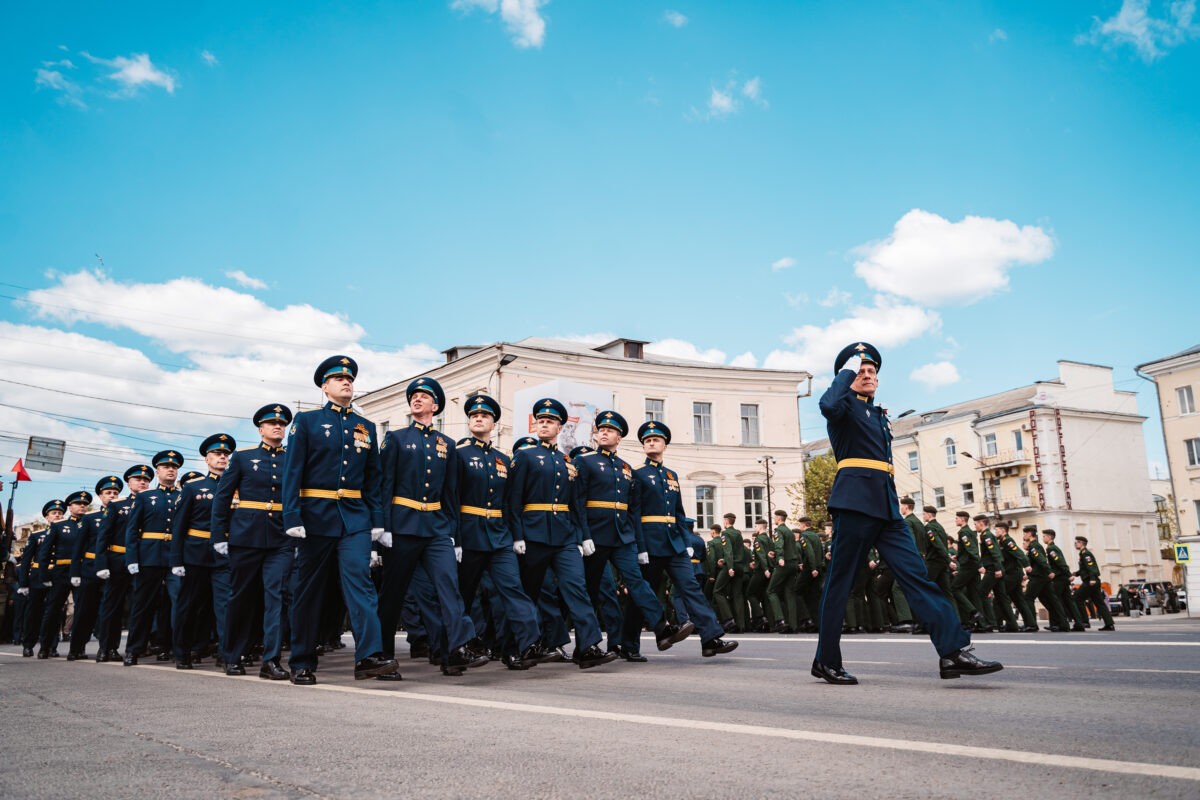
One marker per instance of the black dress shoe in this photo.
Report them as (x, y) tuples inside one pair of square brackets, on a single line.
[(418, 650), (964, 662), (514, 662), (715, 647), (390, 676), (834, 675), (130, 659), (629, 655), (164, 656), (592, 657), (26, 652), (235, 669), (919, 629), (903, 627), (669, 634), (1029, 629), (373, 666), (114, 655), (55, 654), (272, 671), (185, 663), (1078, 629), (465, 658), (536, 653), (1109, 628), (43, 654), (72, 656), (729, 625), (300, 677), (102, 656), (780, 627)]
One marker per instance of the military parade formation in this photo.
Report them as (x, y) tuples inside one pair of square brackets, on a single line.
[(481, 555)]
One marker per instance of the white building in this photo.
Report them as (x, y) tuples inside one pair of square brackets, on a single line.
[(724, 420)]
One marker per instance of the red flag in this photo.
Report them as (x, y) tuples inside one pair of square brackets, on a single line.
[(19, 468)]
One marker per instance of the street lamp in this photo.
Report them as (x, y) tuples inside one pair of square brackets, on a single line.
[(987, 493), (505, 360), (767, 461)]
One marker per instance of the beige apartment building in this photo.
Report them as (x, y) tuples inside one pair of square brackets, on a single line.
[(1066, 454), (725, 421), (1177, 380)]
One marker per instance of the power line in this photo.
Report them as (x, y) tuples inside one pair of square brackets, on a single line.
[(76, 420), (122, 402)]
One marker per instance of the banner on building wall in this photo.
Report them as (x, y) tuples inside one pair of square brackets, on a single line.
[(583, 402)]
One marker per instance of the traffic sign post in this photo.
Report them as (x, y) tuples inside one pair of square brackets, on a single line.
[(1183, 555)]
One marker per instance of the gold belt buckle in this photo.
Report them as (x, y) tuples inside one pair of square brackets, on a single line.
[(341, 493)]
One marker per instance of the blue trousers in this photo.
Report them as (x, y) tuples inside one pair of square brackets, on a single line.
[(608, 605), (255, 573), (519, 613), (147, 598), (685, 591), (316, 556), (421, 601), (199, 588), (55, 611), (436, 555), (567, 564), (87, 608), (854, 534), (112, 606), (554, 629), (641, 596)]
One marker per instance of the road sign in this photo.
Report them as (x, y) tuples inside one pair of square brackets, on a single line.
[(1182, 554), (45, 454)]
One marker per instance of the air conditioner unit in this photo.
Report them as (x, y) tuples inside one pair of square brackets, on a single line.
[(1034, 478), (1025, 426)]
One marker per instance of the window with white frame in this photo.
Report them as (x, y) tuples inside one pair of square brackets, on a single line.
[(1193, 451), (1018, 440), (749, 416), (989, 444), (706, 504), (916, 498), (968, 494), (702, 423), (655, 410), (913, 462), (755, 498), (1187, 403), (939, 496), (1023, 486), (951, 453)]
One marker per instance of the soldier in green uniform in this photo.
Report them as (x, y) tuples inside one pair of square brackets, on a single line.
[(714, 551), (732, 582), (808, 585), (965, 586), (1089, 588), (1016, 566), (1039, 581), (1060, 580), (920, 539), (991, 570), (937, 554), (781, 592), (718, 548), (762, 551)]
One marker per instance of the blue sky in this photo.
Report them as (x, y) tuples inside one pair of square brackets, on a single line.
[(978, 188)]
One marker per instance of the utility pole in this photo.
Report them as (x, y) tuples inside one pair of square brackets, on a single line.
[(767, 461)]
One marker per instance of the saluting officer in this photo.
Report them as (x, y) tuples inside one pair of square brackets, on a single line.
[(54, 558), (251, 535), (147, 554), (611, 535), (29, 578), (865, 510), (204, 571), (542, 510), (420, 481), (111, 567), (83, 569), (331, 505), (670, 546)]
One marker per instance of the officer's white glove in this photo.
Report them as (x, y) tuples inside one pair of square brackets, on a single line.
[(376, 559), (24, 590), (221, 547), (385, 539), (519, 547), (643, 558), (854, 363), (376, 533), (178, 572), (691, 552), (48, 584), (133, 568), (458, 554), (296, 532), (76, 581), (103, 574), (588, 547)]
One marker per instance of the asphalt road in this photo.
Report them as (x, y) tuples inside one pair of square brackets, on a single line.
[(1072, 715)]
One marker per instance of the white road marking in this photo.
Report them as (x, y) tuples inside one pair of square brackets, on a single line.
[(984, 640), (1170, 671)]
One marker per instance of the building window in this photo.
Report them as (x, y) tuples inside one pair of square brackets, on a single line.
[(989, 444), (755, 504), (654, 410), (1196, 503), (702, 423), (968, 494), (913, 463), (991, 492), (706, 504), (749, 424), (384, 427), (939, 496), (951, 453), (1193, 451), (1023, 486), (916, 498), (1187, 404), (1018, 441)]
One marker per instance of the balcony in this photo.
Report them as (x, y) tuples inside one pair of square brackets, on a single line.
[(1015, 503), (1006, 458)]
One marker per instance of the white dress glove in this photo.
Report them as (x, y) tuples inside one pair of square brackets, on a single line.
[(854, 363), (178, 572), (588, 547), (103, 574), (519, 547), (221, 547), (296, 532), (376, 533), (48, 584), (691, 552), (76, 581), (376, 559), (24, 590), (385, 539), (643, 558), (458, 554), (133, 569)]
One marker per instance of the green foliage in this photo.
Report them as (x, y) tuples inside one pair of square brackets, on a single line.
[(811, 496)]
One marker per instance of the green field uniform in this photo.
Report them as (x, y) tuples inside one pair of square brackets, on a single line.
[(733, 587), (1039, 586), (965, 585), (937, 557), (1015, 562), (1060, 584), (1089, 589), (715, 551), (810, 587), (781, 591), (917, 528), (991, 558), (760, 574)]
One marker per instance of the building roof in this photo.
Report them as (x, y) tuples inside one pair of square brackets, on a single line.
[(1191, 351)]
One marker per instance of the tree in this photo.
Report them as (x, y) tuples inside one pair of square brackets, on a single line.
[(813, 493)]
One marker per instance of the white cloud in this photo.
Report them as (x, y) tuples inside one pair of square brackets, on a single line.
[(752, 90), (1150, 36), (134, 72), (932, 260), (522, 18), (70, 93), (209, 58), (998, 35), (678, 348), (783, 263), (675, 19), (936, 375), (835, 297), (746, 359), (720, 103), (249, 281), (730, 98), (796, 300), (887, 323)]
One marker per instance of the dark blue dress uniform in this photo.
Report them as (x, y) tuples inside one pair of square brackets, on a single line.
[(260, 556), (29, 576), (83, 567), (148, 545), (54, 560), (205, 581), (484, 536), (542, 510), (866, 514), (662, 520), (110, 559), (420, 480), (331, 488)]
